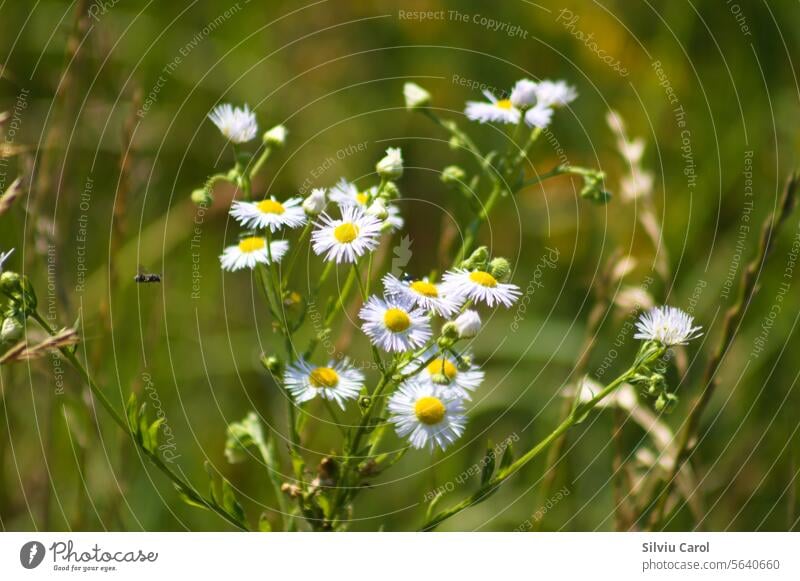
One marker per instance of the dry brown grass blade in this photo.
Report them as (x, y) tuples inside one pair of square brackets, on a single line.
[(10, 195), (21, 351)]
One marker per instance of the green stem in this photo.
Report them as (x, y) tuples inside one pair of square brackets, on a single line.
[(262, 159)]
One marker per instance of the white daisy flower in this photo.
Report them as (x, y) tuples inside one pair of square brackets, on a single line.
[(347, 193), (315, 202), (338, 381), (498, 111), (427, 415), (394, 324), (237, 124), (252, 251), (445, 366), (347, 238), (667, 325), (523, 94), (468, 324), (391, 166), (276, 137), (539, 116), (415, 96), (3, 257), (555, 93), (480, 287), (269, 213), (422, 293)]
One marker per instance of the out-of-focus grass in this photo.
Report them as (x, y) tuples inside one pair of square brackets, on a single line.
[(333, 74)]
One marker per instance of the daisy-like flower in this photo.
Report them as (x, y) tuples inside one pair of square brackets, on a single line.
[(667, 325), (427, 414), (468, 324), (338, 381), (237, 124), (252, 251), (480, 287), (3, 257), (415, 96), (496, 110), (523, 95), (539, 116), (347, 238), (395, 324), (269, 213), (445, 367), (555, 93), (315, 202), (422, 293), (347, 193)]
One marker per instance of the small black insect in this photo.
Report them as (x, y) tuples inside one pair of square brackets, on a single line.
[(145, 277)]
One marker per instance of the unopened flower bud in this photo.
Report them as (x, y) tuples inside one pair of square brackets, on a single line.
[(450, 329), (202, 197), (477, 259), (666, 402), (10, 282), (390, 191), (391, 166), (378, 209), (415, 96), (445, 342), (468, 324), (271, 364), (500, 269), (440, 379), (276, 137), (315, 202), (455, 143), (11, 330), (452, 174), (464, 362)]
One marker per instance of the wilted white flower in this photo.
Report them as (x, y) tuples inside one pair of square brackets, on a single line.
[(523, 95), (237, 124), (500, 111), (633, 298), (415, 96), (391, 166), (315, 202), (539, 116), (4, 256), (460, 381), (427, 414), (347, 238), (276, 136), (394, 324), (479, 286), (555, 93), (422, 293), (667, 325), (338, 381), (468, 324), (638, 183), (252, 251), (269, 213)]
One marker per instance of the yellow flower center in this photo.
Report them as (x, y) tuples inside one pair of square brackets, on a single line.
[(346, 232), (504, 104), (270, 207), (483, 278), (324, 377), (444, 366), (429, 410), (425, 288), (362, 198), (396, 320), (252, 244)]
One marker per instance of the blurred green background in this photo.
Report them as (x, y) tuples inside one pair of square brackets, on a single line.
[(107, 124)]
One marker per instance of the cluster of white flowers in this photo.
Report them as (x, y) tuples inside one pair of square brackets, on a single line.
[(536, 101)]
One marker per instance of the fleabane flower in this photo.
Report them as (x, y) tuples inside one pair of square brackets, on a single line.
[(237, 124), (555, 93), (667, 325), (395, 324), (315, 202), (444, 370), (468, 324), (338, 381), (479, 286), (276, 137), (523, 95), (347, 238), (427, 414), (423, 293), (539, 116), (347, 193), (4, 256), (269, 213), (391, 166), (251, 251), (415, 96), (495, 111)]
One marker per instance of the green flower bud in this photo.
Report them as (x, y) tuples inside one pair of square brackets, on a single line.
[(390, 191), (445, 342), (452, 174), (363, 402), (202, 197), (276, 137), (272, 364), (477, 259), (450, 330), (464, 362), (10, 282), (440, 379), (455, 143), (500, 269)]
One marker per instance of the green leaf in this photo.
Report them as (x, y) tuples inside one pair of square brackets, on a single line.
[(230, 503), (263, 524), (432, 506), (242, 435), (133, 422), (508, 457), (152, 434), (189, 500), (488, 467)]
